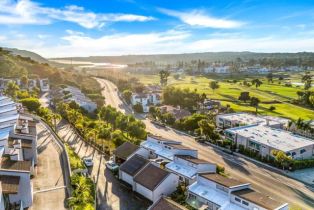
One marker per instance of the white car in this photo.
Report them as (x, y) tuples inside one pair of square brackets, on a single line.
[(111, 165), (88, 161)]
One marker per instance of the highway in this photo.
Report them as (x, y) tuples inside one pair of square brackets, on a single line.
[(262, 179)]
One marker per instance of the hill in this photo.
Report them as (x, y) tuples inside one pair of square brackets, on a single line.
[(27, 54), (187, 57)]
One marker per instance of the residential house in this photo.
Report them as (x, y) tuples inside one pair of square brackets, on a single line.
[(264, 139), (216, 192), (44, 85), (123, 152), (240, 118), (165, 203), (177, 112), (145, 99), (187, 167), (32, 83), (163, 150), (153, 182)]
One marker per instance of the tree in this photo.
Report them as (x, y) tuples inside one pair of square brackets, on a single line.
[(269, 77), (127, 94), (282, 158), (255, 102), (300, 94), (214, 85), (272, 108), (244, 96), (55, 117), (138, 108), (24, 81), (207, 129), (11, 89), (164, 74), (257, 83), (32, 104), (307, 79)]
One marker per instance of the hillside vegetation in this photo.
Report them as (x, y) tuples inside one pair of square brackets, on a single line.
[(16, 66)]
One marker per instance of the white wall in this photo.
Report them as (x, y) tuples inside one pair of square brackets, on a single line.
[(167, 187), (126, 177), (143, 191), (25, 188)]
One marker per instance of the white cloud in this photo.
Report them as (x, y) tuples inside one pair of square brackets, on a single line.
[(28, 12), (198, 18)]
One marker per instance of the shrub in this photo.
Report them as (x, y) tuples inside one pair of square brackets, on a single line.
[(32, 104)]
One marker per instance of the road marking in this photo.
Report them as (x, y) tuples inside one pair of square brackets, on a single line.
[(49, 189)]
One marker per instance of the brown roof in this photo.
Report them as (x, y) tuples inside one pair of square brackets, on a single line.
[(151, 176), (258, 198), (133, 165), (10, 184), (180, 146), (125, 150), (166, 204), (192, 159), (8, 164), (227, 182)]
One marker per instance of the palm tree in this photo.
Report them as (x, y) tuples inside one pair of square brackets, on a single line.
[(257, 83), (55, 117)]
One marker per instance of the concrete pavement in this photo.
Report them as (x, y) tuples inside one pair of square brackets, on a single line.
[(264, 180), (111, 194)]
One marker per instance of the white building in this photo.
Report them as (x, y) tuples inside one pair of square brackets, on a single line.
[(187, 168), (217, 69), (163, 150), (145, 99), (153, 182), (216, 192), (75, 94), (264, 139), (240, 119), (44, 85)]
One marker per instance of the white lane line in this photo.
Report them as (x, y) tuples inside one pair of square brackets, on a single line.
[(49, 189)]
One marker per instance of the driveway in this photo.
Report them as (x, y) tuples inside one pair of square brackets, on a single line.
[(111, 194), (48, 184)]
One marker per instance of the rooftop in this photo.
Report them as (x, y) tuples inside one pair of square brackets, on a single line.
[(9, 118), (151, 176), (133, 165), (276, 138), (219, 179), (258, 198), (125, 150), (8, 164), (184, 170), (180, 147), (160, 138), (192, 159), (10, 184), (166, 204)]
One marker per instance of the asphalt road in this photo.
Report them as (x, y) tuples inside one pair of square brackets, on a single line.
[(264, 180)]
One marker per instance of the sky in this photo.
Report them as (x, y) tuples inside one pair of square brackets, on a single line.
[(68, 28)]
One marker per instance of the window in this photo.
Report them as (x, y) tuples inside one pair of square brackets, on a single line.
[(237, 199), (302, 151), (294, 153), (245, 203)]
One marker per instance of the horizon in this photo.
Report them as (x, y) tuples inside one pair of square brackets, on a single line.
[(135, 27)]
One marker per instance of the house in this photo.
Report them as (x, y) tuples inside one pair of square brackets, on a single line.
[(123, 152), (213, 191), (209, 104), (75, 94), (165, 203), (239, 119), (44, 85), (153, 182), (163, 150), (32, 83), (131, 167), (145, 99), (177, 112), (264, 139), (187, 167)]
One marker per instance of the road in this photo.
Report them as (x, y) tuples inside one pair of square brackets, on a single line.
[(111, 194), (262, 179)]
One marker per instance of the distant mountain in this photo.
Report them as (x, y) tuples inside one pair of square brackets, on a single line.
[(187, 57), (27, 54)]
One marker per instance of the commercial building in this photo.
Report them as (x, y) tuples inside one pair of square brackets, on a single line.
[(232, 120), (264, 139)]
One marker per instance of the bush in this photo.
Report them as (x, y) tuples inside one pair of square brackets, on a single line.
[(32, 104), (138, 108)]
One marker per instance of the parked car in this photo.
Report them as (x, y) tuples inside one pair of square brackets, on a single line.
[(111, 165), (88, 161), (155, 122)]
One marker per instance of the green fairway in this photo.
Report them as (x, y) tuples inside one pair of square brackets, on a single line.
[(228, 93)]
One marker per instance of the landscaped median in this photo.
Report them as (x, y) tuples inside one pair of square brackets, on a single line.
[(83, 194)]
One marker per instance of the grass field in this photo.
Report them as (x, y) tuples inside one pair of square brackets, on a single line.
[(228, 93)]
